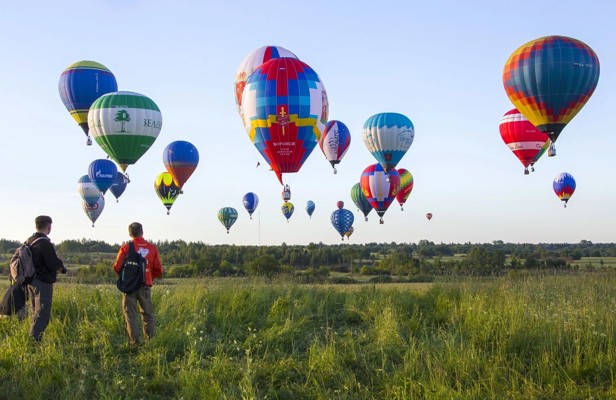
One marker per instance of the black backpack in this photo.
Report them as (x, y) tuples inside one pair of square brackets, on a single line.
[(132, 273)]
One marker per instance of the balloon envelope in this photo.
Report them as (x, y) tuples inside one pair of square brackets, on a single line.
[(429, 216), (253, 61), (564, 186), (167, 189), (310, 206), (358, 197), (125, 125), (93, 211), (550, 79), (380, 188), (342, 220), (406, 186), (103, 174), (251, 201), (88, 190), (335, 142), (119, 185), (287, 209), (227, 216), (522, 138), (349, 232), (388, 136), (181, 159), (285, 111), (81, 84)]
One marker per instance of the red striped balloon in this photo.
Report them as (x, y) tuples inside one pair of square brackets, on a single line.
[(522, 137)]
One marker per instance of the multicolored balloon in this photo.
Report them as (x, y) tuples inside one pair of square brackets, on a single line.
[(227, 216), (342, 220), (358, 197), (253, 61), (388, 136), (335, 142), (251, 201), (80, 85), (125, 125), (287, 210), (349, 233), (119, 186), (429, 216), (550, 79), (167, 189), (406, 186), (88, 190), (564, 186), (310, 206), (285, 112), (181, 159), (380, 188), (522, 138), (93, 211), (103, 174)]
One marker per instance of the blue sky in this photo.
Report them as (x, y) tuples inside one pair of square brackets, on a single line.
[(439, 63)]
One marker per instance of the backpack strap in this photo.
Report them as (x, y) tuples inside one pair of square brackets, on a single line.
[(35, 240)]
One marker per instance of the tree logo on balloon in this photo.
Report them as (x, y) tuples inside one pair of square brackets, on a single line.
[(123, 117)]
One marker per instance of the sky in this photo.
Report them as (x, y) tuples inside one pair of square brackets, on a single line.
[(439, 63)]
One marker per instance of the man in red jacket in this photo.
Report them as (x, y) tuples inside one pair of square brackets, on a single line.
[(143, 296)]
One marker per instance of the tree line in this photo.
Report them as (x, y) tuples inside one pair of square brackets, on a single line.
[(317, 260)]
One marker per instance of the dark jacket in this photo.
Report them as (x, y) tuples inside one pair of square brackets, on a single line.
[(46, 262)]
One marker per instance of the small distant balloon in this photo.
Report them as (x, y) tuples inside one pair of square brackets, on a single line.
[(564, 186), (349, 232), (379, 187), (181, 159), (227, 216), (334, 142), (358, 197), (119, 185), (250, 201), (93, 211), (287, 210), (429, 216), (103, 174), (340, 204), (167, 189), (310, 206), (406, 186), (88, 190), (342, 220)]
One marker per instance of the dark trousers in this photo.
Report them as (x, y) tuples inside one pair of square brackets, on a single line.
[(130, 303), (40, 294)]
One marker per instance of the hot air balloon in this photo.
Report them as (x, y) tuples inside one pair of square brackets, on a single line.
[(287, 210), (429, 216), (251, 201), (522, 138), (549, 80), (358, 197), (286, 193), (227, 216), (310, 206), (340, 204), (380, 188), (342, 219), (88, 190), (564, 186), (285, 112), (406, 186), (253, 61), (119, 185), (335, 142), (349, 232), (80, 85), (103, 174), (125, 125), (167, 189), (388, 136), (181, 159), (93, 211)]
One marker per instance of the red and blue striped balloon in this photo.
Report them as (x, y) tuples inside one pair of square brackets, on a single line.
[(181, 159), (335, 142), (380, 188)]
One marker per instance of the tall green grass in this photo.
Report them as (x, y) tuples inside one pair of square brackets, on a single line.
[(534, 338)]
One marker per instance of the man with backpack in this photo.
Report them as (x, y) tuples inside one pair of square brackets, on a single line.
[(46, 266), (134, 255)]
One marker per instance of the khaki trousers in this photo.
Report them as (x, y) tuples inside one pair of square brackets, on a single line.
[(130, 303)]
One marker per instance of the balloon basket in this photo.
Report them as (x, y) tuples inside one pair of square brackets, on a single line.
[(89, 141), (335, 171), (532, 169), (552, 150), (526, 171), (381, 221)]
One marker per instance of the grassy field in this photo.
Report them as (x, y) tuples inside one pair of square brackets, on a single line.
[(533, 338)]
